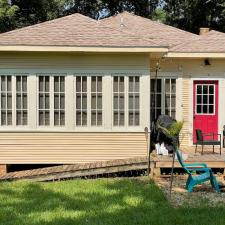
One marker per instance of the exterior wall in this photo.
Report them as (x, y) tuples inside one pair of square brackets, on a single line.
[(35, 144), (188, 70), (52, 148)]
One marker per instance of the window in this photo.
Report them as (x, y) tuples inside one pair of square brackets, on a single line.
[(163, 97), (118, 101), (96, 101), (89, 100), (21, 100), (6, 100), (59, 100), (205, 99), (44, 100), (134, 101), (126, 100)]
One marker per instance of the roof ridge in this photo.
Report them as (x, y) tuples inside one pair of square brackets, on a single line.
[(151, 21), (45, 22), (130, 32)]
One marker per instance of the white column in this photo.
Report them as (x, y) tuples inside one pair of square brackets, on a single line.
[(32, 100), (69, 102)]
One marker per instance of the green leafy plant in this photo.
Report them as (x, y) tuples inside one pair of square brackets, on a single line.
[(173, 131)]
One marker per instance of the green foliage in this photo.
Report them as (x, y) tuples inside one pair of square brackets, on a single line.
[(190, 15), (174, 129), (159, 15), (7, 15)]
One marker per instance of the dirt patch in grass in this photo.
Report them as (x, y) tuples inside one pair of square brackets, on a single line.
[(202, 195)]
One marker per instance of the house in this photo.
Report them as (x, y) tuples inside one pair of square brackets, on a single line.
[(79, 90)]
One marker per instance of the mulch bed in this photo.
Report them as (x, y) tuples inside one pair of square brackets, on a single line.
[(201, 195)]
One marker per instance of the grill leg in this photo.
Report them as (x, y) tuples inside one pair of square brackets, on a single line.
[(220, 148), (213, 149), (202, 149)]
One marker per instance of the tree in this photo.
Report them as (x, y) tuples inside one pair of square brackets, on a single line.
[(190, 15), (7, 15), (32, 11)]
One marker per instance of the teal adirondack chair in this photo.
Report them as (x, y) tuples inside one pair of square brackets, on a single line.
[(193, 180)]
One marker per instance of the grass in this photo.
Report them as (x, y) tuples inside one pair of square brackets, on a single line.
[(102, 201)]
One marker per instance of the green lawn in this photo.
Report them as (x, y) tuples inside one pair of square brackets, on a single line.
[(101, 201)]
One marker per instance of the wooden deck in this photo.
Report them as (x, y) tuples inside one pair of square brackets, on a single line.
[(115, 166)]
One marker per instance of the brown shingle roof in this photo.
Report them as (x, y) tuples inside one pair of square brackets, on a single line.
[(73, 30), (147, 28), (213, 42)]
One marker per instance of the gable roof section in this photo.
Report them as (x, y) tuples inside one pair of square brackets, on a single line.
[(74, 31), (150, 29), (213, 42)]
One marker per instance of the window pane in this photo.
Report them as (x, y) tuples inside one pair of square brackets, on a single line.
[(3, 101), (93, 101), (205, 89), (18, 83), (121, 84), (84, 84), (121, 121), (24, 83), (47, 83), (199, 108), (136, 84), (167, 85), (115, 84), (99, 118), (56, 101), (9, 85), (93, 118), (56, 84), (78, 84), (99, 84), (3, 83), (199, 89), (93, 84)]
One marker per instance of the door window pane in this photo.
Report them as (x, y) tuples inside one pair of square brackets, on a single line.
[(205, 98)]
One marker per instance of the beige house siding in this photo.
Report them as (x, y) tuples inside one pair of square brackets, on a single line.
[(21, 148), (74, 144)]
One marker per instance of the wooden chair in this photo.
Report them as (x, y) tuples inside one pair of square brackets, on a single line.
[(194, 178), (201, 141)]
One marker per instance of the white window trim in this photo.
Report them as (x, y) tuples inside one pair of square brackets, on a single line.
[(214, 99), (89, 127), (14, 127), (107, 101), (126, 126)]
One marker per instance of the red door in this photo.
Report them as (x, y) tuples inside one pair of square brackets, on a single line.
[(205, 100)]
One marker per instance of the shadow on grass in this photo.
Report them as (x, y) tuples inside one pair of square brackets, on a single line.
[(102, 202)]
